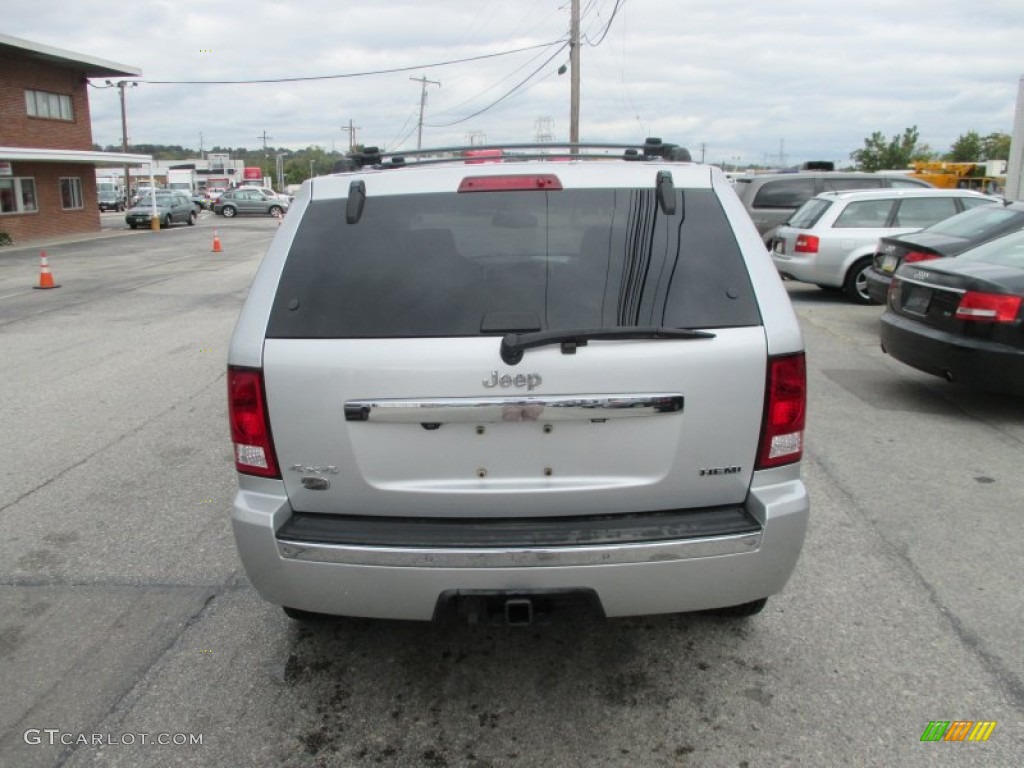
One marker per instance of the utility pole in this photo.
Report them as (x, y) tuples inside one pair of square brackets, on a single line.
[(423, 103), (200, 143), (121, 85), (263, 167), (574, 63), (351, 131)]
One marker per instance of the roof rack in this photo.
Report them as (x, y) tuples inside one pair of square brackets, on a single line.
[(651, 149)]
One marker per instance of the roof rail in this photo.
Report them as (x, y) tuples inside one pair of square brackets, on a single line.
[(651, 149)]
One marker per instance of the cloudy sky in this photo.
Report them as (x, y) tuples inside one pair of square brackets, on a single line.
[(734, 81)]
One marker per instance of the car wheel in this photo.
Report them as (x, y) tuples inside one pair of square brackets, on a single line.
[(739, 611), (228, 211), (276, 211), (856, 284), (308, 617), (192, 217), (167, 222), (132, 225)]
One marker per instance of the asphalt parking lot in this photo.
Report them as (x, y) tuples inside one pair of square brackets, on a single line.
[(125, 615)]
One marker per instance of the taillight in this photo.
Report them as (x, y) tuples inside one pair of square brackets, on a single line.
[(547, 181), (806, 244), (250, 425), (988, 307), (913, 256), (782, 433)]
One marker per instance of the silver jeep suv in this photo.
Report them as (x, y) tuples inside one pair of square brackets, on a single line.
[(485, 388)]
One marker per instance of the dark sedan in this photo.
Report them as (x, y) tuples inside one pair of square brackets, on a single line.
[(961, 318), (947, 238)]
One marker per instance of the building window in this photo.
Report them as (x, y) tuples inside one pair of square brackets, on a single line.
[(71, 193), (17, 196), (53, 106)]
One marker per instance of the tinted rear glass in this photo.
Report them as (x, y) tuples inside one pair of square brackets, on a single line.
[(809, 213), (977, 222), (1007, 251), (490, 262)]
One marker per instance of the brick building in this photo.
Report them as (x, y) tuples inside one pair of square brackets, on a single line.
[(47, 163)]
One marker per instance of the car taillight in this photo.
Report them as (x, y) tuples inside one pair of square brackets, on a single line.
[(782, 433), (250, 425), (988, 307), (806, 244), (913, 256), (545, 181)]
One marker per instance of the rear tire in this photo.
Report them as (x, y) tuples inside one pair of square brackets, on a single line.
[(192, 219), (307, 617), (856, 284), (276, 211), (228, 211), (740, 611)]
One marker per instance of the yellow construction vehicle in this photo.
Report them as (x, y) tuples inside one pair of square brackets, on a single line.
[(958, 176)]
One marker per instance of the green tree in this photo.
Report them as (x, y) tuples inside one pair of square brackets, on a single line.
[(879, 154), (968, 148), (996, 146)]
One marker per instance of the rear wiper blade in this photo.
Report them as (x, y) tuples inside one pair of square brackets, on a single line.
[(513, 344)]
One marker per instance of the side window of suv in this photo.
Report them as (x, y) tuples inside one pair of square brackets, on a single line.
[(924, 211), (785, 193), (837, 185), (864, 214)]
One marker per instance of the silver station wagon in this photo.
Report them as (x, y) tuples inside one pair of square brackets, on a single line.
[(490, 389)]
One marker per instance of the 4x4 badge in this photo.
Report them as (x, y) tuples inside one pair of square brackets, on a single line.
[(529, 380)]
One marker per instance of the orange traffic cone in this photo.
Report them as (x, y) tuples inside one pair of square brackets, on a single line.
[(45, 276), (216, 243)]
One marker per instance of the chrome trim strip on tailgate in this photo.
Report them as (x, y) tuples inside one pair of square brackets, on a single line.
[(480, 410), (653, 552)]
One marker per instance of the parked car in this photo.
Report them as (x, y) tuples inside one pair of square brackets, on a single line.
[(170, 207), (771, 198), (212, 194), (249, 200), (109, 200), (947, 238), (271, 193), (831, 240), (961, 318), (485, 388)]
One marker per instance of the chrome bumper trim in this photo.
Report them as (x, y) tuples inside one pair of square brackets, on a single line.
[(483, 410), (652, 552)]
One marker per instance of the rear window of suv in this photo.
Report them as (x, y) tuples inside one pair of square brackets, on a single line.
[(487, 263)]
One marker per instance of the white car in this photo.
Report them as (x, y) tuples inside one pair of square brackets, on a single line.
[(831, 240), (485, 390)]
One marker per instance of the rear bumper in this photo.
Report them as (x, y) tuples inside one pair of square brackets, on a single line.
[(688, 571), (974, 362), (878, 284)]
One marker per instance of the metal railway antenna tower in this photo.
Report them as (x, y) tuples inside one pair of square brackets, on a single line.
[(423, 81)]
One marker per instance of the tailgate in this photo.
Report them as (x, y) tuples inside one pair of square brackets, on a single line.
[(441, 427)]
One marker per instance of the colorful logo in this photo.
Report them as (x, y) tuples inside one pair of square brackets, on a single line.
[(958, 730)]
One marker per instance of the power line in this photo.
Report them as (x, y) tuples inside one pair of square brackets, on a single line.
[(355, 74), (508, 93), (608, 26)]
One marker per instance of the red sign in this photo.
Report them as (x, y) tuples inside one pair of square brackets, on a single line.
[(252, 174)]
